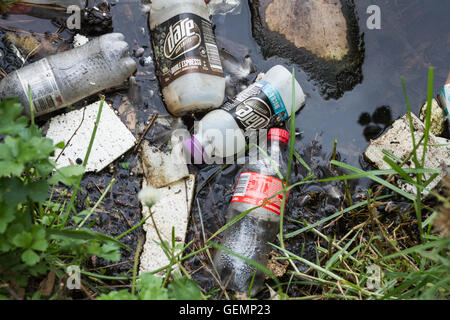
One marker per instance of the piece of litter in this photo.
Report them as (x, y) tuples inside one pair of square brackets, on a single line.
[(111, 141), (437, 118), (398, 142), (162, 168), (79, 40), (172, 210)]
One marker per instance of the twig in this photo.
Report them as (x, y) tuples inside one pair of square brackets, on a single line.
[(74, 133), (136, 260), (12, 292), (86, 292), (147, 127)]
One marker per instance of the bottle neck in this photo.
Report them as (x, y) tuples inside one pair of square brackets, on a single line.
[(277, 151)]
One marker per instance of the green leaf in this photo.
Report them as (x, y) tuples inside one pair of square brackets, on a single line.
[(184, 289), (43, 147), (4, 244), (125, 165), (69, 175), (30, 257), (117, 295), (40, 245), (37, 191), (9, 168), (45, 167), (110, 251), (85, 235), (149, 287), (39, 241), (6, 216), (11, 121), (23, 239), (16, 191), (94, 248), (60, 145)]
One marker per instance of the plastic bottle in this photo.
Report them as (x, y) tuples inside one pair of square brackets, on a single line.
[(249, 236), (186, 55), (265, 104), (60, 3), (444, 98), (65, 78)]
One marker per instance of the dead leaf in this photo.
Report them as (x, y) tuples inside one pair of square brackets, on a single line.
[(46, 285)]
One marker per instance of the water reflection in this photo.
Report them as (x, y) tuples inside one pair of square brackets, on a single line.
[(375, 124)]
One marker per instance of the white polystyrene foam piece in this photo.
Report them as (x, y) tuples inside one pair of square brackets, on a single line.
[(75, 128), (79, 40), (397, 140), (162, 168), (172, 210)]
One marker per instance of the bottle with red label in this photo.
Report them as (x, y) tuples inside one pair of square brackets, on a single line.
[(257, 184)]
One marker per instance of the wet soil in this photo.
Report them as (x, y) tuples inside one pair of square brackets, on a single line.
[(413, 36)]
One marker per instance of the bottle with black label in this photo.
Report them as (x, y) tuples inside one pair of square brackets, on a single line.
[(265, 104), (187, 59)]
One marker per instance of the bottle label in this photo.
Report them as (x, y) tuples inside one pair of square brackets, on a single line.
[(258, 107), (444, 98), (185, 44), (255, 188), (45, 93)]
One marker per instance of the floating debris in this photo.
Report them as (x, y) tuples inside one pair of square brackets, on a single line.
[(75, 128), (437, 119), (170, 213), (79, 40), (398, 141)]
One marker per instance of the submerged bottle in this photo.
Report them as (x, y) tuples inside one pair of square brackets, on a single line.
[(265, 104), (249, 236), (187, 59), (65, 78)]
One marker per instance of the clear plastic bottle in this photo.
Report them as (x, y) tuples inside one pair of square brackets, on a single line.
[(265, 104), (65, 78), (249, 236), (187, 59), (444, 98), (60, 3)]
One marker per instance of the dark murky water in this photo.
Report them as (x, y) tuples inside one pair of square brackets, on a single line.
[(414, 35)]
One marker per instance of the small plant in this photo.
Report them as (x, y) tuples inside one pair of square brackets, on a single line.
[(33, 240), (370, 261), (150, 287)]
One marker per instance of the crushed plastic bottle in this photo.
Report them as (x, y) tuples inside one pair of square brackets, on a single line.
[(65, 78), (249, 236), (265, 104), (186, 56)]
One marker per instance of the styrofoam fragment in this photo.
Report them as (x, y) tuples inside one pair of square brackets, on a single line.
[(79, 40), (111, 141), (444, 142), (398, 141), (162, 168), (171, 211)]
